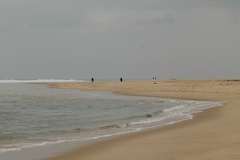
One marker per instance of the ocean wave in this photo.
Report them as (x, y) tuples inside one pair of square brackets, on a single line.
[(181, 112), (63, 132), (145, 119), (111, 126), (20, 146), (39, 80)]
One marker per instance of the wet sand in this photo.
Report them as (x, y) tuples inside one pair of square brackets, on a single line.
[(212, 134)]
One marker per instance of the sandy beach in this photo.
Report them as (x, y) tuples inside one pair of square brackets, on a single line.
[(212, 134)]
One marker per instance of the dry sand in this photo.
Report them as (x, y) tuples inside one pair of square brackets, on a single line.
[(212, 134)]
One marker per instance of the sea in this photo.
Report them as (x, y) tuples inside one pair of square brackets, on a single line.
[(34, 117)]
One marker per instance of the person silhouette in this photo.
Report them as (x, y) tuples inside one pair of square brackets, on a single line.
[(92, 79), (121, 79)]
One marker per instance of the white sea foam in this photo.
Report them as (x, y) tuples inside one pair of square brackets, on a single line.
[(179, 112), (38, 80), (148, 121)]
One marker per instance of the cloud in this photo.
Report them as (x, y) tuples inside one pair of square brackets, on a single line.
[(39, 15), (59, 14), (236, 18), (164, 19), (58, 37)]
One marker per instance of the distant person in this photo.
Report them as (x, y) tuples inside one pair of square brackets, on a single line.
[(92, 79), (121, 79)]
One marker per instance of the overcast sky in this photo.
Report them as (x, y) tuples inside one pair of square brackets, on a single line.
[(109, 39)]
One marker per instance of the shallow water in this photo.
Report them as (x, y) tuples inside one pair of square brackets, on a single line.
[(33, 115)]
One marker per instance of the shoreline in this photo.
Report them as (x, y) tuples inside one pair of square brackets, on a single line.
[(204, 136)]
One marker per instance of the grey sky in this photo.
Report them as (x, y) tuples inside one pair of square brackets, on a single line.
[(134, 39)]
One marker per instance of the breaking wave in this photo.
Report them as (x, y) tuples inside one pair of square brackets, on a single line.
[(39, 80)]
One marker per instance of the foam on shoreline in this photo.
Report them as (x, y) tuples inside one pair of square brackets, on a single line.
[(39, 80)]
